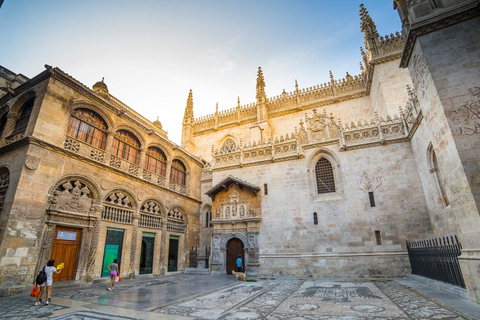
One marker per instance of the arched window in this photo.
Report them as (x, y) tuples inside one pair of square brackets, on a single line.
[(87, 126), (437, 176), (3, 122), (126, 146), (315, 218), (228, 146), (178, 173), (208, 218), (156, 161), (324, 176), (22, 121)]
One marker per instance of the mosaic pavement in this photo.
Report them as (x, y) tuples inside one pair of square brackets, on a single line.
[(309, 299), (266, 299)]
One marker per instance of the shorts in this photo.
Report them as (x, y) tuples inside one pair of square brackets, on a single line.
[(113, 274), (46, 283)]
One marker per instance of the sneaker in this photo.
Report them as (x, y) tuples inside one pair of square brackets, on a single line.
[(50, 299), (40, 300), (47, 302), (110, 289), (36, 303)]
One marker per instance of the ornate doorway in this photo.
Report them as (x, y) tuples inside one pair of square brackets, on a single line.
[(65, 249), (234, 249)]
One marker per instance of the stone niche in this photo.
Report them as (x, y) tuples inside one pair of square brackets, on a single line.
[(236, 214)]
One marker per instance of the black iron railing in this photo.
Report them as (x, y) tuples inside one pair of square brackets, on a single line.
[(195, 258), (437, 259)]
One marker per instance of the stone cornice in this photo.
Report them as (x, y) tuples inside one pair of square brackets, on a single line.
[(334, 255), (436, 22), (38, 142), (25, 86)]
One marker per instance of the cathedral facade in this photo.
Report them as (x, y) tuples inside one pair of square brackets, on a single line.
[(324, 181)]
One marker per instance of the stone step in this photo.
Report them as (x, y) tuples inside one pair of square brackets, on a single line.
[(197, 271)]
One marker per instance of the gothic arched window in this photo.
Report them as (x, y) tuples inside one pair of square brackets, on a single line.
[(22, 121), (324, 176), (156, 161), (178, 173), (228, 146), (87, 126), (126, 146)]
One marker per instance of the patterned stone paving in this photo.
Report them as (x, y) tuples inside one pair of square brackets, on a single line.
[(313, 299), (266, 299), (18, 309)]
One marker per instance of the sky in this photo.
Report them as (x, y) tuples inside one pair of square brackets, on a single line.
[(152, 52)]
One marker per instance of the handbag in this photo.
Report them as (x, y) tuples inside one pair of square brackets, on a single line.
[(119, 278), (34, 292)]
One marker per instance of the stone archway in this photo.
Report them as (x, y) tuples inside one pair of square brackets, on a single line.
[(235, 249)]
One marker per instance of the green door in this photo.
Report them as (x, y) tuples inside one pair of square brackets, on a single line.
[(113, 249)]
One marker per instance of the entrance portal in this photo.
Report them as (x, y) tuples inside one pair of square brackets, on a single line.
[(234, 249), (173, 254), (65, 249), (146, 256)]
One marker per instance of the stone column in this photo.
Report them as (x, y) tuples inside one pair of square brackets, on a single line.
[(133, 250), (108, 144), (216, 264), (163, 247), (95, 231), (141, 163)]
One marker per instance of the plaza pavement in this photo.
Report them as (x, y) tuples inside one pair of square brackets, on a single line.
[(185, 296)]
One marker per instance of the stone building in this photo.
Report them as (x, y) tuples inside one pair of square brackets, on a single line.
[(331, 180), (324, 181), (85, 180)]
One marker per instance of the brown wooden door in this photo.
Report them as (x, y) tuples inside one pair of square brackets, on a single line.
[(65, 249), (234, 249)]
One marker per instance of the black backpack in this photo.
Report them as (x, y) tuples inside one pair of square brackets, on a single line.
[(41, 277)]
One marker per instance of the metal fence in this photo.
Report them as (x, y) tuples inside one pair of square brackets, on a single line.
[(196, 259), (437, 259)]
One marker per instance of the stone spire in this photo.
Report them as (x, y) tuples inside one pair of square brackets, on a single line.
[(369, 30), (260, 84), (187, 125), (188, 116)]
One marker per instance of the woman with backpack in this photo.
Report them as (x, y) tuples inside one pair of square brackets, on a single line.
[(49, 269)]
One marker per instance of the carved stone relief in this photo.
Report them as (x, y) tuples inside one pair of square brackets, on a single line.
[(72, 196), (32, 162)]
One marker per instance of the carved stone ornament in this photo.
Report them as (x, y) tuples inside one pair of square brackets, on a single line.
[(72, 196), (32, 162)]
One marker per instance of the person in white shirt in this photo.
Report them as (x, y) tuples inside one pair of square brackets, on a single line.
[(50, 270)]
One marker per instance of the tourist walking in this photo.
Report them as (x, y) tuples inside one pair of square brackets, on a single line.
[(50, 270), (239, 264), (114, 272)]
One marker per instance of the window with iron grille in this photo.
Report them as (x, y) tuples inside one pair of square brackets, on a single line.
[(156, 161), (178, 172), (378, 237), (315, 218), (89, 127), (324, 176), (265, 189), (371, 197), (22, 122)]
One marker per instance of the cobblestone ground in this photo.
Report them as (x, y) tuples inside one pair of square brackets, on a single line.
[(265, 299)]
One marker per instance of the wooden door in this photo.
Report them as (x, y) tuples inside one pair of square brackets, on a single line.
[(234, 249), (65, 249)]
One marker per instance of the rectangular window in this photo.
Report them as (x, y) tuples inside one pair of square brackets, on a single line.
[(378, 237), (372, 199), (315, 218), (265, 189)]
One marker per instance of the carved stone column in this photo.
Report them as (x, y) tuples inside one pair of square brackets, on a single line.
[(216, 264), (163, 246), (46, 247), (133, 250), (94, 231)]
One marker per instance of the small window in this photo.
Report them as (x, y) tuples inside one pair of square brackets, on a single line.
[(315, 218), (324, 176), (228, 146), (265, 189), (371, 197), (208, 218), (378, 237)]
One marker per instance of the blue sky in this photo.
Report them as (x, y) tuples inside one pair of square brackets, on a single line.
[(152, 52)]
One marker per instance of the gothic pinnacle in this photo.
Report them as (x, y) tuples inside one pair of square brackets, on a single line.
[(260, 83), (189, 108)]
